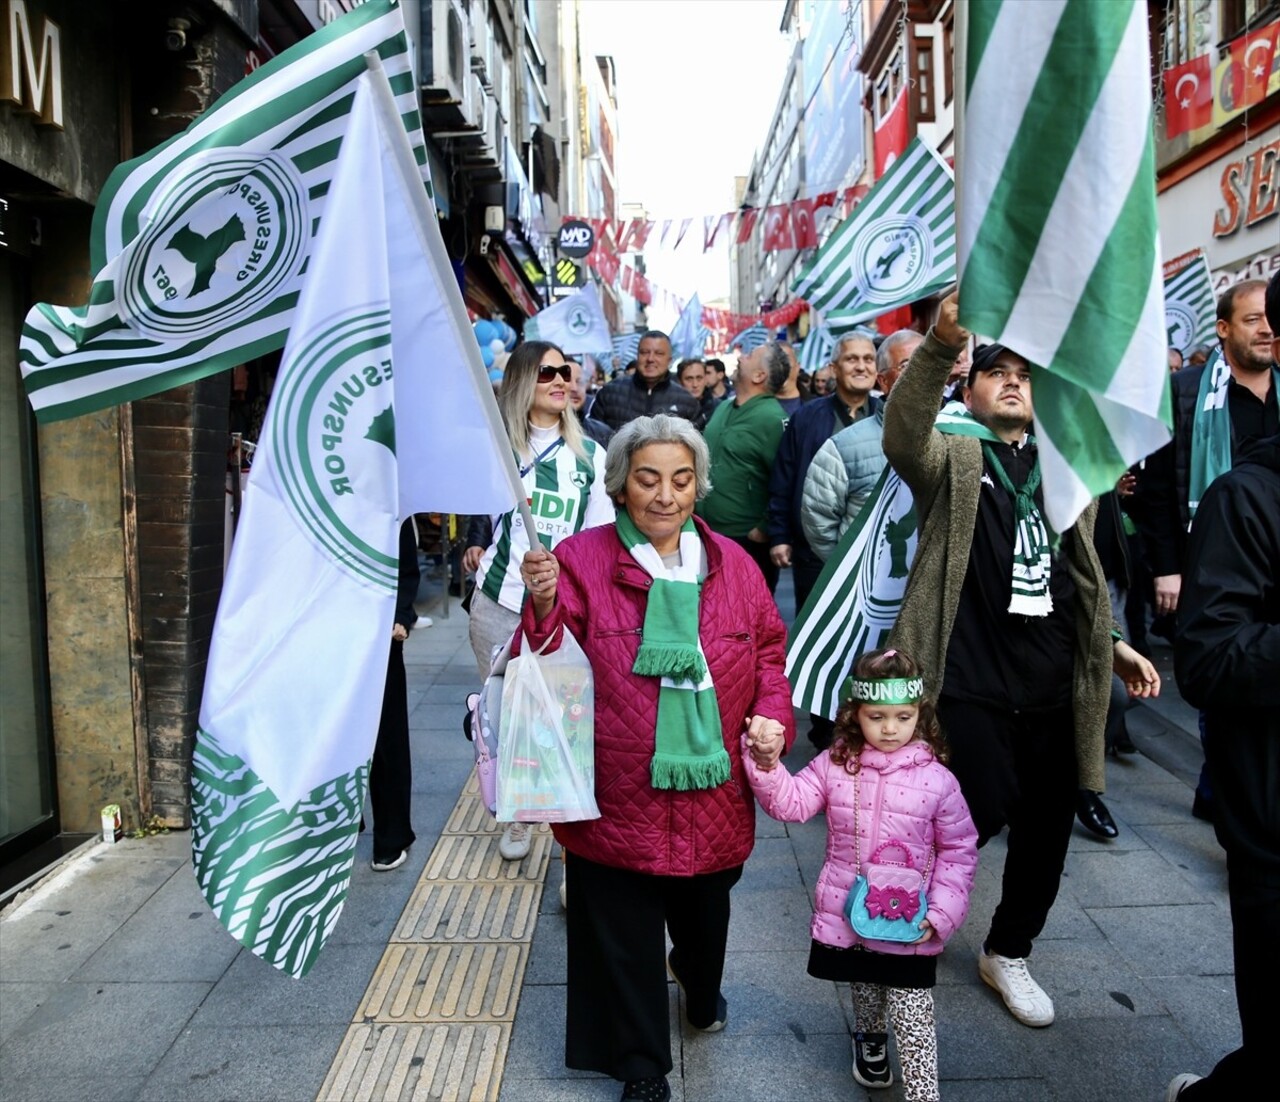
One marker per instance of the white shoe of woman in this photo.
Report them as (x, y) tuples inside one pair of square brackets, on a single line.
[(514, 843)]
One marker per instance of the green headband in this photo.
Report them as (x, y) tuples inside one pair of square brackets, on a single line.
[(883, 690)]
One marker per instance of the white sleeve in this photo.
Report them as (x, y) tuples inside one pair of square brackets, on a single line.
[(600, 510)]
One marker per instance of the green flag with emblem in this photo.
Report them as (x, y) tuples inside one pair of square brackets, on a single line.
[(199, 246)]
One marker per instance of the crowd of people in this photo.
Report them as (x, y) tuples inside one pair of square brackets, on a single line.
[(667, 504)]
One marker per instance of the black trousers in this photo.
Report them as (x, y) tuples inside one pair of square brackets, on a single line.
[(1019, 771), (805, 568), (616, 1019), (391, 774), (760, 553)]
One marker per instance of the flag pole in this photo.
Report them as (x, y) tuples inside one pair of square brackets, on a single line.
[(433, 244)]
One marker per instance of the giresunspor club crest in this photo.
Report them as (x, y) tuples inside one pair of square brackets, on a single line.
[(225, 235)]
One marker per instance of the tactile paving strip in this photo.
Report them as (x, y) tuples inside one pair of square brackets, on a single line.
[(469, 911), (416, 1063), (435, 1021), (471, 982)]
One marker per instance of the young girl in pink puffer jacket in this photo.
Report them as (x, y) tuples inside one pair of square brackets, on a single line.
[(883, 780)]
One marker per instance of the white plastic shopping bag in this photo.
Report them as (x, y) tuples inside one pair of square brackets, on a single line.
[(546, 740)]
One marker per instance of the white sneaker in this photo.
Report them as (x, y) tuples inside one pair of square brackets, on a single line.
[(514, 843), (423, 622), (1025, 998), (564, 892), (386, 864), (1178, 1084)]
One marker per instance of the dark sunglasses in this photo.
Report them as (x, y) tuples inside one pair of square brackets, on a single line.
[(547, 374)]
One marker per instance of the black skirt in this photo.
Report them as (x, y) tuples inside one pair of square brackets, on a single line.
[(859, 965)]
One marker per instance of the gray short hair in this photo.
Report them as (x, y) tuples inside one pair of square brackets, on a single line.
[(856, 335), (891, 342), (660, 429), (778, 366)]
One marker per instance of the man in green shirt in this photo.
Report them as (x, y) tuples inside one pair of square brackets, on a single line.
[(743, 435)]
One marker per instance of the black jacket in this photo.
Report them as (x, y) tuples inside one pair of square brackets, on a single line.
[(410, 576), (1227, 653), (629, 397), (1165, 484)]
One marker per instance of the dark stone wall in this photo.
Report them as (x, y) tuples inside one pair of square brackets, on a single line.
[(180, 437)]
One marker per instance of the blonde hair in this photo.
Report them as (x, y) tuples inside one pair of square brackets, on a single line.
[(515, 400)]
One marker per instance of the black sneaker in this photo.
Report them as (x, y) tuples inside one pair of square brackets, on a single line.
[(654, 1089), (871, 1060)]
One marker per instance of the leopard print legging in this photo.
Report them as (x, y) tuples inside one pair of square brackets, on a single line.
[(910, 1011)]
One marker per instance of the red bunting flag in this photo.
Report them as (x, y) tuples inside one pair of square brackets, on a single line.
[(746, 224), (777, 228)]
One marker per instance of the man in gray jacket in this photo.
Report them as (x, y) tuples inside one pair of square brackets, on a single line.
[(844, 472)]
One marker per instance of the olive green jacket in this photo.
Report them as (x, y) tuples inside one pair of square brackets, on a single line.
[(944, 473)]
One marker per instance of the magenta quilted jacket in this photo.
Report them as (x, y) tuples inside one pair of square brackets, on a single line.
[(905, 795), (601, 597)]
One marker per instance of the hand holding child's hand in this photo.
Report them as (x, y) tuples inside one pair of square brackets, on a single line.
[(926, 932), (765, 740)]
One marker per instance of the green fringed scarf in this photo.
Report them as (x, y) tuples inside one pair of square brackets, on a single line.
[(688, 745)]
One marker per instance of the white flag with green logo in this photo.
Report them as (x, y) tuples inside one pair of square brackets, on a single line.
[(1059, 258), (1190, 309), (898, 245), (575, 324), (199, 245), (381, 389), (855, 601)]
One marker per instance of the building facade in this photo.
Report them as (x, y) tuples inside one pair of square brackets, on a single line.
[(114, 525)]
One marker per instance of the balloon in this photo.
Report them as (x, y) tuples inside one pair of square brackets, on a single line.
[(486, 354), (485, 331), (495, 376), (509, 336), (497, 346)]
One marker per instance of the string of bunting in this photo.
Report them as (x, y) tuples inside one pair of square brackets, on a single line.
[(793, 225), (636, 284)]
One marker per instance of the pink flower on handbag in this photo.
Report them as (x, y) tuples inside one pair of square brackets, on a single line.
[(892, 902)]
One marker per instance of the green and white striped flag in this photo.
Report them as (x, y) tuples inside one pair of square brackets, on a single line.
[(1190, 310), (380, 390), (856, 598), (1059, 258), (199, 245), (815, 352), (898, 246)]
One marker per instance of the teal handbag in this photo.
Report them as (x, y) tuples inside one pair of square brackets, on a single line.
[(887, 901)]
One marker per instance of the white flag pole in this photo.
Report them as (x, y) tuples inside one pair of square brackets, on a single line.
[(433, 245)]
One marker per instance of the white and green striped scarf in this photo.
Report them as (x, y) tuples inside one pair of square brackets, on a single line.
[(688, 749), (1030, 594)]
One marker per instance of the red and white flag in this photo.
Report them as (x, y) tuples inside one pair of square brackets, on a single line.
[(1188, 96), (777, 228), (891, 135)]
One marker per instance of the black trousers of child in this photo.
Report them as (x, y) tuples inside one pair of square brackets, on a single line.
[(1017, 770), (616, 1019), (391, 774)]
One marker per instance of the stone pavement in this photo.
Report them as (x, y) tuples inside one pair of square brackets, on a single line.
[(117, 983)]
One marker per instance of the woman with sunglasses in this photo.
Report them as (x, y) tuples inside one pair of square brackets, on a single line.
[(563, 475)]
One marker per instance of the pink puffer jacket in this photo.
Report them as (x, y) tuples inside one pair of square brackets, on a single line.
[(601, 596), (905, 795)]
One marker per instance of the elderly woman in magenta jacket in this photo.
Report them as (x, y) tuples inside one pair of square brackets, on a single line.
[(687, 650)]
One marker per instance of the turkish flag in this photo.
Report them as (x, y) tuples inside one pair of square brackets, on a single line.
[(747, 223), (891, 135), (803, 224), (777, 228), (1188, 96), (627, 274), (641, 289), (1251, 58)]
